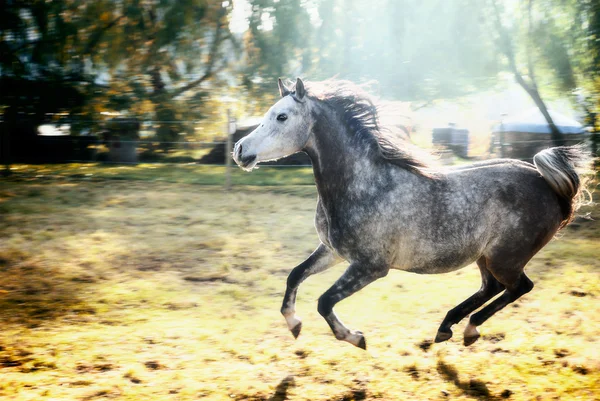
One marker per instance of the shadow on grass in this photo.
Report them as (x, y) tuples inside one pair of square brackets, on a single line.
[(32, 293), (472, 388), (281, 393), (352, 395), (282, 389)]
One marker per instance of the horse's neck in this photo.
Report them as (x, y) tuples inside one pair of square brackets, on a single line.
[(340, 162)]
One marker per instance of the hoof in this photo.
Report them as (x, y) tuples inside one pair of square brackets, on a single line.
[(357, 339), (296, 330), (470, 340), (471, 334), (362, 344), (443, 336)]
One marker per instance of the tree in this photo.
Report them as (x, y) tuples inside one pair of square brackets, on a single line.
[(278, 42), (558, 44), (38, 75), (416, 50), (506, 45), (567, 35), (159, 57), (147, 58)]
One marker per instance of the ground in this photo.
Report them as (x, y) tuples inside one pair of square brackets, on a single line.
[(119, 285)]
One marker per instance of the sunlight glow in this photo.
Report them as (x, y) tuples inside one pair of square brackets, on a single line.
[(239, 16)]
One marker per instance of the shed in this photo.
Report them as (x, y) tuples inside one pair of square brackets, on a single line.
[(55, 144), (525, 134), (122, 138), (452, 137)]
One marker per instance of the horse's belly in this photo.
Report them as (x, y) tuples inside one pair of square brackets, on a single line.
[(434, 268), (435, 261)]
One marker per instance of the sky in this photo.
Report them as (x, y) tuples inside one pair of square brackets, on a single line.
[(239, 22)]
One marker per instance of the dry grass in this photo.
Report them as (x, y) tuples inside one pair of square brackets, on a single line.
[(137, 289)]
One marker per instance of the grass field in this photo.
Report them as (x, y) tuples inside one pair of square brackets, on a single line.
[(140, 284)]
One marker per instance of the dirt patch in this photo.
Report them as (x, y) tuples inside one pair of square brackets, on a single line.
[(352, 395), (562, 352), (582, 370), (425, 345), (94, 368), (154, 365), (210, 279), (494, 338), (8, 361), (302, 353), (412, 371)]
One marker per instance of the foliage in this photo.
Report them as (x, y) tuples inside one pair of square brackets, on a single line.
[(416, 50), (171, 62), (145, 59), (556, 42)]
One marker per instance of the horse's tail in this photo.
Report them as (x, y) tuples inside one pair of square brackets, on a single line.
[(559, 168)]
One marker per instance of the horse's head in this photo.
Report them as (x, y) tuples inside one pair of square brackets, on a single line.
[(284, 130)]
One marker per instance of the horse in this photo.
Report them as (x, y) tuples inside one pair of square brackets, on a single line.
[(380, 207)]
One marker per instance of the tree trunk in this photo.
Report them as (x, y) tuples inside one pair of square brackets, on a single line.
[(505, 46), (556, 135)]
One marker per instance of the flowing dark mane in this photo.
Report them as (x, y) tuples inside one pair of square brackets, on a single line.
[(361, 114)]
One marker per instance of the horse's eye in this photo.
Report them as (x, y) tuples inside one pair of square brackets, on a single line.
[(282, 117)]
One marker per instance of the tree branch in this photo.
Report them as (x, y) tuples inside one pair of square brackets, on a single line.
[(209, 72), (531, 89), (98, 35)]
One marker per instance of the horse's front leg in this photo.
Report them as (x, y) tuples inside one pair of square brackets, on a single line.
[(356, 277), (321, 259)]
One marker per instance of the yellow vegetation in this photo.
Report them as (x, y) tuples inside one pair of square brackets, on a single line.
[(155, 291)]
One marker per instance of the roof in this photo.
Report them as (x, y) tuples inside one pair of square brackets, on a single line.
[(533, 121)]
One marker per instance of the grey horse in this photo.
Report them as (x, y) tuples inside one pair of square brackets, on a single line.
[(381, 208)]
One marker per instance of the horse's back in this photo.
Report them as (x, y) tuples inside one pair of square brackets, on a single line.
[(477, 210), (519, 209), (502, 185), (488, 163)]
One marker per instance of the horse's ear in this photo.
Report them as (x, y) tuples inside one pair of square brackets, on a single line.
[(283, 90), (300, 91)]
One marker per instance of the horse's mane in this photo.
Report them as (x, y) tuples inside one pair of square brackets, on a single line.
[(361, 113)]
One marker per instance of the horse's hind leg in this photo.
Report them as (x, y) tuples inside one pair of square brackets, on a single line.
[(490, 287), (321, 259), (356, 277), (521, 286)]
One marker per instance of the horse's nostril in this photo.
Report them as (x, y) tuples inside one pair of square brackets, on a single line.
[(237, 152)]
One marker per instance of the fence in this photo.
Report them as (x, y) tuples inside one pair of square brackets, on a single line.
[(107, 156), (111, 151)]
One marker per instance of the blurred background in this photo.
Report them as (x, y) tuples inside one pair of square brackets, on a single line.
[(128, 272), (152, 81)]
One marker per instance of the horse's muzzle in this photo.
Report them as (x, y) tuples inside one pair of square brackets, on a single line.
[(245, 161)]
